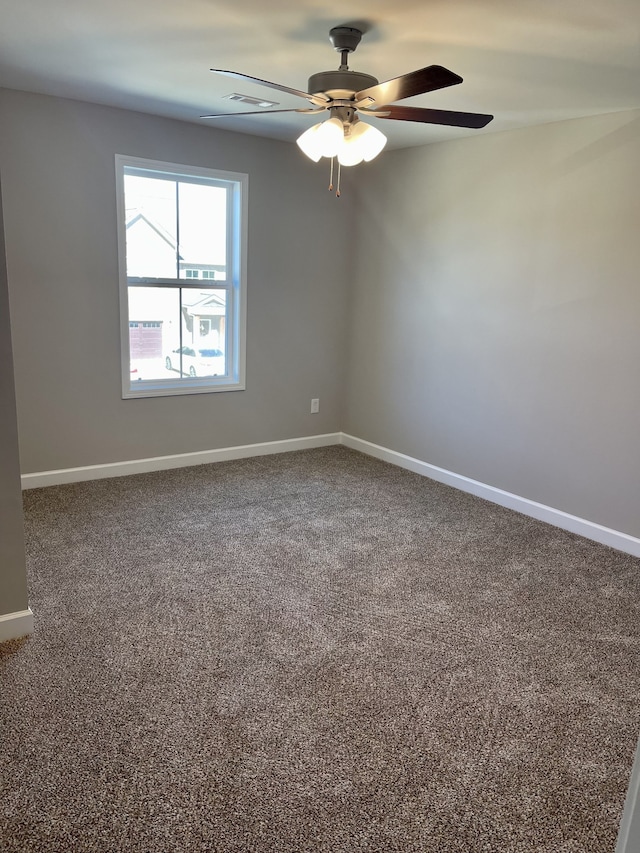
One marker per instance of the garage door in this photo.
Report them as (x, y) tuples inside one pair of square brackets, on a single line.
[(145, 339)]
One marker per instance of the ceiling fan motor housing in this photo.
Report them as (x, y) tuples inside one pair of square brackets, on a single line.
[(340, 84)]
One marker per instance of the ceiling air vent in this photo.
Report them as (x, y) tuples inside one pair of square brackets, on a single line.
[(246, 99)]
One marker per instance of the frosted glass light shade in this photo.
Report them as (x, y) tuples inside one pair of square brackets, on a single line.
[(373, 141), (351, 151), (364, 142), (322, 140), (308, 143)]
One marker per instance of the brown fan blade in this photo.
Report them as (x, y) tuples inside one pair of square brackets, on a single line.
[(238, 76), (415, 83), (448, 117), (264, 112)]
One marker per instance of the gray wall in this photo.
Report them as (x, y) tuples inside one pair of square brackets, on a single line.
[(13, 583), (496, 310), (57, 164)]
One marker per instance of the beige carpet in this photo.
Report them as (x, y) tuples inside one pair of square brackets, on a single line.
[(314, 652)]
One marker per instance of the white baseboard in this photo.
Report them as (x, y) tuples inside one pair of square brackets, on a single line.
[(14, 625), (556, 517), (179, 460)]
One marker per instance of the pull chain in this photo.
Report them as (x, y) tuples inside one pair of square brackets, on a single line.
[(331, 177)]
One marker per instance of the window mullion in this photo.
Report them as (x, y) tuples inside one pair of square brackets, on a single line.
[(178, 230), (180, 330), (194, 284)]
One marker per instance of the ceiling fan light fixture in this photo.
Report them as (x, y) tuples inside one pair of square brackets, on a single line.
[(351, 152), (308, 143), (361, 142), (352, 144), (322, 140), (373, 142)]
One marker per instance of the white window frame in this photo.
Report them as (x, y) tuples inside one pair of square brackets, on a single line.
[(235, 284)]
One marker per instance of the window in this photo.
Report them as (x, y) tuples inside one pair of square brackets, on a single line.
[(182, 240)]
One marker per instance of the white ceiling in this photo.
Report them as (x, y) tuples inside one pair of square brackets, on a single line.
[(525, 61)]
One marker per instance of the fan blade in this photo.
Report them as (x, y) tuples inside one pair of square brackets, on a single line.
[(238, 76), (264, 112), (415, 83), (448, 117)]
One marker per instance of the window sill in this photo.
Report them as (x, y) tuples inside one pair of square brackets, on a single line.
[(149, 388)]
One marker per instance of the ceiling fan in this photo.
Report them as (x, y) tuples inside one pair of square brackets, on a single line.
[(350, 96)]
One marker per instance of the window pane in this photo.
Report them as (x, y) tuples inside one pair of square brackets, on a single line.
[(203, 230), (154, 332), (150, 216), (204, 322), (174, 339)]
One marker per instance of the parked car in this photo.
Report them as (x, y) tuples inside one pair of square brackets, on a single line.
[(195, 362)]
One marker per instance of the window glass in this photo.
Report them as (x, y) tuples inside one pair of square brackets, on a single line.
[(151, 227), (202, 213)]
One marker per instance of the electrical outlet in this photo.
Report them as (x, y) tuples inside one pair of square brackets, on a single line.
[(315, 405)]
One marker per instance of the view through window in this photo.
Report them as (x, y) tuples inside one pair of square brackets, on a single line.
[(181, 264)]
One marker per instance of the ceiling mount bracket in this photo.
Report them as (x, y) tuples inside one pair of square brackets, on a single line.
[(345, 40)]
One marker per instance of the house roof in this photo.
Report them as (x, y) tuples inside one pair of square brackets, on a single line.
[(135, 216)]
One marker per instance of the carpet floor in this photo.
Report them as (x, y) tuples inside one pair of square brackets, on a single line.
[(314, 651)]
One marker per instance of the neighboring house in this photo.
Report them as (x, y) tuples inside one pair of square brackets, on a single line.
[(152, 327), (205, 319)]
